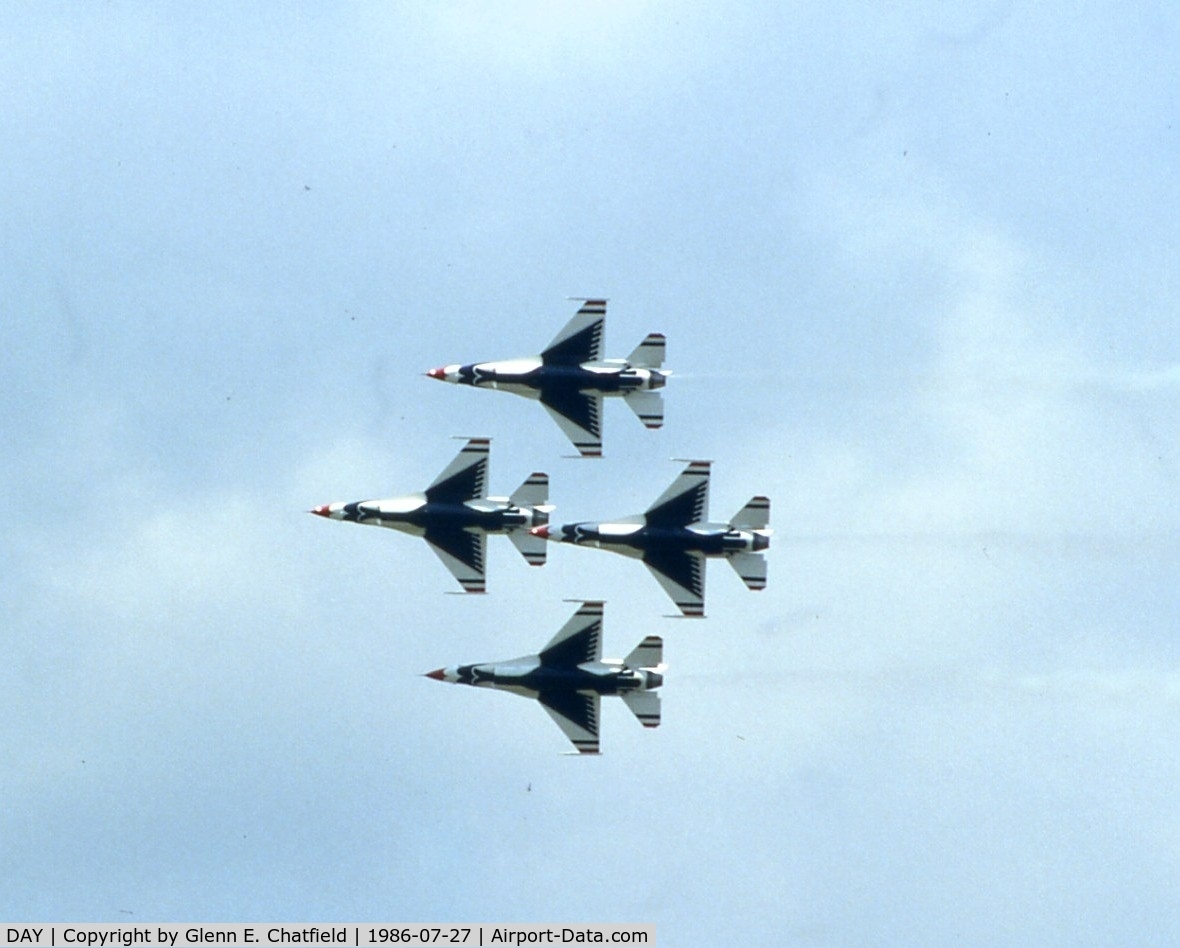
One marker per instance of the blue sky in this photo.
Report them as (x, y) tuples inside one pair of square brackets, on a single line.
[(917, 270)]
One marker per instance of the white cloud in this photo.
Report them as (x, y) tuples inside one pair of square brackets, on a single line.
[(1017, 421), (946, 716), (536, 37), (185, 555)]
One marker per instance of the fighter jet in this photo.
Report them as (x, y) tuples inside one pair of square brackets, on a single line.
[(570, 378), (455, 515), (569, 677), (673, 537)]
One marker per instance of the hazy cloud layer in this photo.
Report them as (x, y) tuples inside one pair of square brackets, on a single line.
[(917, 271)]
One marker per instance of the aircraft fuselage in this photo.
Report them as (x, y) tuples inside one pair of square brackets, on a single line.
[(635, 539), (532, 378), (415, 514), (529, 677)]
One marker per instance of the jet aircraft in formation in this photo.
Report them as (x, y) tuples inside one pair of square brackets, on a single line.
[(569, 677), (455, 515), (570, 378), (673, 537)]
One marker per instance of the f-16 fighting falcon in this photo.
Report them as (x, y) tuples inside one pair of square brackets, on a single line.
[(570, 378), (569, 677), (455, 515), (673, 538)]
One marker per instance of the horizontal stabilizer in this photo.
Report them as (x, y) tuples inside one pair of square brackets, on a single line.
[(533, 549), (534, 492), (648, 405), (645, 705), (647, 654), (751, 567), (649, 354), (754, 516)]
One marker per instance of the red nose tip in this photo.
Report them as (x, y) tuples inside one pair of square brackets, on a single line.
[(440, 374), (438, 675), (321, 511), (542, 532)]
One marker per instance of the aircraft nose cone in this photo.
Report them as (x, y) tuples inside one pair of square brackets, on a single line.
[(438, 674), (440, 374), (541, 531), (321, 511)]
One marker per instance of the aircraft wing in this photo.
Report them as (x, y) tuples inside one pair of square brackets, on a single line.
[(464, 553), (682, 574), (576, 713), (580, 340), (466, 477), (579, 414), (578, 641), (686, 501)]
